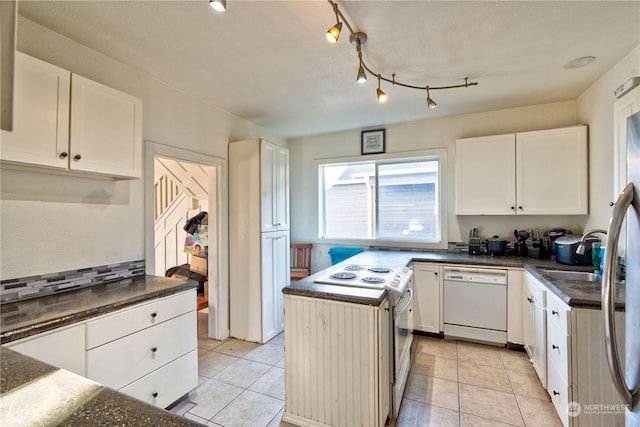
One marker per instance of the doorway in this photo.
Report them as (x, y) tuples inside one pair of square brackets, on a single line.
[(178, 185)]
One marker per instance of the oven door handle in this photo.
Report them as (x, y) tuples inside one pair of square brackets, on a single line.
[(404, 307)]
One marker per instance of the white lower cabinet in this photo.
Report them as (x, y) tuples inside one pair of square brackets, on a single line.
[(337, 363), (148, 351), (62, 348), (515, 316), (132, 349), (577, 374), (427, 284), (131, 357), (536, 326), (161, 386)]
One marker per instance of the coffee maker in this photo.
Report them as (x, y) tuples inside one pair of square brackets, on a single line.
[(550, 238), (521, 245)]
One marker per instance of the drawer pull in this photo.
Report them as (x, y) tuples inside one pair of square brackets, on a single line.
[(154, 394), (154, 349), (555, 313), (77, 157), (555, 393), (64, 155), (154, 314), (555, 347)]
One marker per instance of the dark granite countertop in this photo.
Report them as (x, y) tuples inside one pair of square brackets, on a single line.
[(24, 318), (574, 293), (68, 399)]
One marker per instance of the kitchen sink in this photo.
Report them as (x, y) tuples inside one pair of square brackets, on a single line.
[(582, 276)]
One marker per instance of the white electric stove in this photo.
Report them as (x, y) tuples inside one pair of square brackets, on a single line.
[(395, 280)]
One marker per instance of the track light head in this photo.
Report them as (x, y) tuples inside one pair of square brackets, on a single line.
[(218, 5), (362, 75), (382, 97), (430, 102), (333, 33)]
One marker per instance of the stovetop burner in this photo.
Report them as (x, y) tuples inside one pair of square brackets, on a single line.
[(354, 267), (372, 279), (343, 275), (379, 269)]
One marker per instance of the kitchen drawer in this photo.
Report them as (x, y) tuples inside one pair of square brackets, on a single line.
[(535, 290), (164, 386), (560, 394), (559, 351), (119, 324), (123, 361), (557, 315)]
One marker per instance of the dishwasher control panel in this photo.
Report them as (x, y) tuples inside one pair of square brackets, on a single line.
[(498, 277)]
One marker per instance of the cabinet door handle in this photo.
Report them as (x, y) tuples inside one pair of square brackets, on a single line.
[(64, 155), (530, 300), (154, 394), (555, 347), (154, 349), (154, 314), (555, 313), (77, 157), (612, 203), (513, 208), (555, 393), (521, 208)]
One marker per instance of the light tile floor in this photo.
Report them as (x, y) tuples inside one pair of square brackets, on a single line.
[(451, 383)]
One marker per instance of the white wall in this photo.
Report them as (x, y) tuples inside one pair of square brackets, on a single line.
[(595, 106), (421, 135), (51, 223)]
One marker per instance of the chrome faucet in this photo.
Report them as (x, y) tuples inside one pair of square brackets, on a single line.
[(580, 250)]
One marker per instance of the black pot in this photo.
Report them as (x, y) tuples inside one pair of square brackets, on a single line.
[(566, 247), (496, 246)]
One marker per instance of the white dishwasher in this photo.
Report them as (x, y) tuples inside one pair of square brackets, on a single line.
[(475, 304)]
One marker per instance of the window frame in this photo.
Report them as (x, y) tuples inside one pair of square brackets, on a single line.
[(439, 155)]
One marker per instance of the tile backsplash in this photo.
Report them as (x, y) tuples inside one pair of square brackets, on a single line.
[(53, 283)]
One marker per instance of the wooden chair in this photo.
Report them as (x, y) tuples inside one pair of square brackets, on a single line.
[(300, 260)]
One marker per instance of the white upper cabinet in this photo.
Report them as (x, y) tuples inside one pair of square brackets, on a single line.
[(41, 115), (485, 175), (552, 172), (67, 122), (106, 129), (529, 173), (274, 183)]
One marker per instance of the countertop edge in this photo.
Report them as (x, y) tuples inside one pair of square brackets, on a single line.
[(58, 322), (307, 287)]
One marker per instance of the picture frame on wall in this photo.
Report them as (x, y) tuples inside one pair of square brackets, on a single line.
[(372, 141)]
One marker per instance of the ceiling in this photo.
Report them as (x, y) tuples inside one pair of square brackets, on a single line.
[(268, 61)]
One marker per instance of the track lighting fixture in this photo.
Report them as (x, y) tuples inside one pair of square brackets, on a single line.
[(430, 102), (382, 97), (218, 5), (358, 39), (333, 33), (362, 75)]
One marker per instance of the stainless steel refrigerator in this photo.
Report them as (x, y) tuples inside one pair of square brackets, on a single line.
[(627, 379)]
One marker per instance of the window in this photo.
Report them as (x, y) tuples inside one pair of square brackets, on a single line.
[(391, 200)]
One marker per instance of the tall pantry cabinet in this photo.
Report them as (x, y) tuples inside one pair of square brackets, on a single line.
[(258, 238)]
